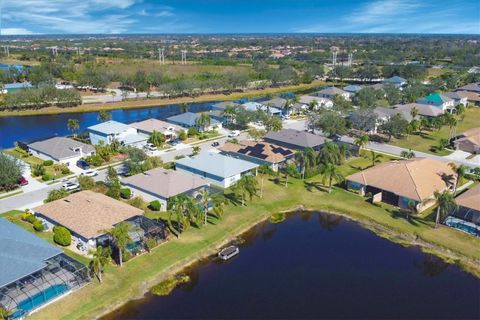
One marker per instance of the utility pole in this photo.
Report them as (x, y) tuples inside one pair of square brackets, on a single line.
[(334, 58), (350, 59), (184, 56), (161, 55)]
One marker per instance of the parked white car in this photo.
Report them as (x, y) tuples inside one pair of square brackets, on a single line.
[(150, 147), (89, 173), (70, 186), (234, 133)]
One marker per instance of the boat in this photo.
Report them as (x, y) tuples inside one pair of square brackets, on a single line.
[(228, 252)]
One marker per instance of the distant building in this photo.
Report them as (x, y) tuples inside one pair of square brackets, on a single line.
[(474, 70), (397, 81), (254, 106), (170, 131), (220, 170), (353, 89), (295, 139), (471, 87), (12, 87), (111, 130), (331, 92), (60, 149), (321, 102), (189, 120), (438, 100), (458, 99), (472, 97)]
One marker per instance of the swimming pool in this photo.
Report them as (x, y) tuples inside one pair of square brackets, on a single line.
[(39, 299)]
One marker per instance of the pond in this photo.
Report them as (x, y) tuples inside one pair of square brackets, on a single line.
[(316, 265)]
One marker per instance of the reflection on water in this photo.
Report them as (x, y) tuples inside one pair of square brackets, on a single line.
[(297, 270)]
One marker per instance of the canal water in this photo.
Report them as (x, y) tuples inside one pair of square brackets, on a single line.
[(316, 265), (30, 128)]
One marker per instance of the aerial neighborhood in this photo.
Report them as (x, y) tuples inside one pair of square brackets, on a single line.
[(114, 193)]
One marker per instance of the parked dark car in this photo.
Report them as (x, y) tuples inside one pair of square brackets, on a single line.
[(215, 144), (22, 181), (83, 164)]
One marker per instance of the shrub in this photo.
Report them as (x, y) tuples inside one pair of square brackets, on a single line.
[(169, 165), (38, 170), (38, 225), (46, 177), (65, 170), (191, 132), (125, 193), (138, 202), (150, 243), (30, 218), (86, 183), (48, 163), (126, 255), (155, 205), (56, 194), (182, 136), (62, 236)]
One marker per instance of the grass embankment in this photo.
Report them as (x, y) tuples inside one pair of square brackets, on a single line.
[(429, 139), (133, 104), (140, 274), (165, 287)]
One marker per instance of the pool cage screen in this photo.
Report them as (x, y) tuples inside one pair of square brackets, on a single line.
[(60, 276)]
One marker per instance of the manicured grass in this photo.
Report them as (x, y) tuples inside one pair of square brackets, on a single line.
[(143, 272), (425, 141)]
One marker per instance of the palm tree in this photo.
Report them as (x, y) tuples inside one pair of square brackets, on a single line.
[(461, 171), (411, 208), (104, 115), (329, 172), (73, 125), (203, 121), (183, 107), (330, 153), (306, 159), (218, 200), (181, 206), (407, 154), (375, 157), (206, 197), (247, 185), (229, 113), (121, 238), (445, 204), (313, 105), (414, 112), (101, 257), (361, 142)]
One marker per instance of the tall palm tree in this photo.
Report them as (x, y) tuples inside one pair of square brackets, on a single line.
[(461, 171), (361, 142), (306, 159), (203, 121), (374, 157), (101, 257), (229, 113), (414, 112), (247, 185), (183, 107), (330, 172), (104, 115), (445, 204), (73, 125), (218, 200), (206, 198), (121, 238), (330, 153), (313, 105)]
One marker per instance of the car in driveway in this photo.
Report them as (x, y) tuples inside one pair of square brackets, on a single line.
[(174, 142), (82, 164), (234, 133), (70, 186), (150, 147), (89, 173), (215, 144), (22, 181)]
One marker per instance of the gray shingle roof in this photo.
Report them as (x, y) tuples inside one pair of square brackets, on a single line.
[(21, 252), (331, 91), (276, 102), (297, 138), (110, 127), (60, 148), (395, 80), (187, 119), (217, 164)]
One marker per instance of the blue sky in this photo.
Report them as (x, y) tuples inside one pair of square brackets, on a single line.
[(240, 16)]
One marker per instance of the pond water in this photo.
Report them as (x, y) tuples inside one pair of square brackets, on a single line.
[(316, 265)]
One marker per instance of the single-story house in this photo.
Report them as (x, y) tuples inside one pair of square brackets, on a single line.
[(90, 215), (458, 99), (471, 87), (190, 120), (12, 87), (384, 114), (263, 153), (425, 110), (404, 182), (331, 92), (353, 88), (469, 141), (474, 69), (295, 139), (161, 184), (254, 106), (60, 149), (34, 272), (466, 215), (438, 100), (219, 169), (277, 102), (397, 81), (472, 97), (221, 106), (111, 130), (321, 102), (170, 131)]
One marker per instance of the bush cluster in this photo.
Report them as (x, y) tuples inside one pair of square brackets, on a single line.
[(62, 236), (155, 205)]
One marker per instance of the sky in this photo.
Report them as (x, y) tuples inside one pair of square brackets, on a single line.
[(239, 16)]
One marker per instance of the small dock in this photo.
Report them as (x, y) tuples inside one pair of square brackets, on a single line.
[(228, 252)]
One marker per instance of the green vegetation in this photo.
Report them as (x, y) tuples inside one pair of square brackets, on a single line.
[(278, 217), (62, 236), (56, 194), (165, 287), (10, 172)]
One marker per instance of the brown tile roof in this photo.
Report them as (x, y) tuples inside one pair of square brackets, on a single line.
[(151, 125), (423, 109), (472, 135), (416, 179), (471, 96), (87, 213), (261, 150), (165, 183), (470, 199)]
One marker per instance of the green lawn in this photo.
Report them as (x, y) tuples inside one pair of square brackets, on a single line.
[(432, 138), (141, 273)]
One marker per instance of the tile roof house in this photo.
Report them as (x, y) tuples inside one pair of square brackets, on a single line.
[(471, 87), (295, 139), (331, 92), (438, 100), (353, 88), (219, 169), (466, 216), (223, 105), (401, 182), (469, 141), (472, 97), (169, 130), (425, 110), (457, 98), (161, 184), (189, 120), (29, 265), (306, 100), (254, 106), (397, 81), (263, 153), (277, 102), (60, 149), (111, 130)]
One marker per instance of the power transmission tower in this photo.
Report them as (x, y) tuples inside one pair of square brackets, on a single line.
[(350, 58), (55, 51), (184, 56), (6, 50), (334, 58), (161, 55)]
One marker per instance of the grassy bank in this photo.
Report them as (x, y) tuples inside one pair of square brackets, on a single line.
[(140, 274), (133, 104)]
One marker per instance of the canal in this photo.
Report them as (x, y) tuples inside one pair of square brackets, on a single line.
[(36, 127), (315, 265)]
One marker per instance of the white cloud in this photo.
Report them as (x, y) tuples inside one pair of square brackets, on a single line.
[(16, 31)]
